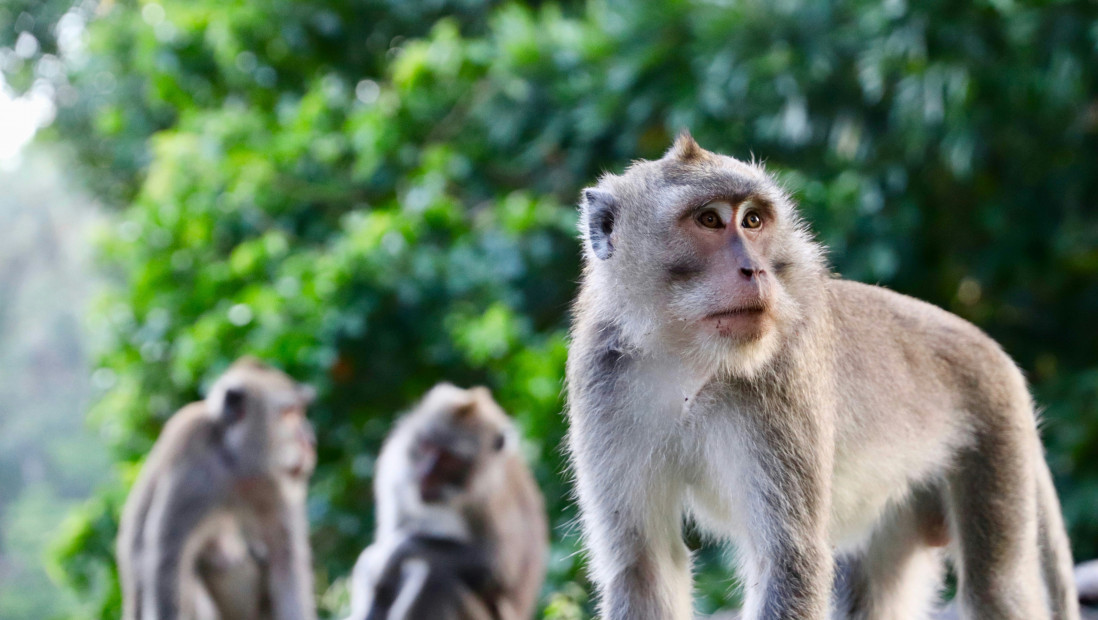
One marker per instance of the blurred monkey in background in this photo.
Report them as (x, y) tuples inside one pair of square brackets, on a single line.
[(215, 526), (461, 525)]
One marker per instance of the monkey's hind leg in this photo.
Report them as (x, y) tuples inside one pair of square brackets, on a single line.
[(898, 575), (1056, 559), (993, 514)]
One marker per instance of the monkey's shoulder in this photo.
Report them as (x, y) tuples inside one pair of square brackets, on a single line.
[(878, 317), (188, 430), (188, 454)]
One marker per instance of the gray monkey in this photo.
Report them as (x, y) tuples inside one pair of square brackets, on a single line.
[(215, 526), (461, 532), (719, 371)]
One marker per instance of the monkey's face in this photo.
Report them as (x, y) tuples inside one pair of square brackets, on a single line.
[(720, 279), (696, 249), (262, 413), (297, 443), (460, 435)]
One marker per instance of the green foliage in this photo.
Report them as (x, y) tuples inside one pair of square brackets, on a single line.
[(377, 198)]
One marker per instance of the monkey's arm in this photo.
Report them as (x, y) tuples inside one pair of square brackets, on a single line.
[(522, 535), (130, 547), (425, 577), (364, 577), (181, 503), (789, 459), (286, 536), (629, 494)]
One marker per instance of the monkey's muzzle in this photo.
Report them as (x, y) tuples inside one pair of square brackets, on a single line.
[(440, 471)]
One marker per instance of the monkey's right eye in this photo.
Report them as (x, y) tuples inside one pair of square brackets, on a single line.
[(710, 219)]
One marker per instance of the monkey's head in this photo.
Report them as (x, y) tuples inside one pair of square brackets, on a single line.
[(454, 445), (698, 250), (261, 412)]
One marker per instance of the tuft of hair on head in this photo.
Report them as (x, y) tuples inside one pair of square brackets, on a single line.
[(685, 148), (250, 362), (465, 411)]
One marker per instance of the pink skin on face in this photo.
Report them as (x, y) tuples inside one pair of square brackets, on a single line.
[(734, 238)]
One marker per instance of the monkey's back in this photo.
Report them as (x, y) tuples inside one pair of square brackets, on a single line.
[(184, 441), (911, 381), (907, 342), (185, 424)]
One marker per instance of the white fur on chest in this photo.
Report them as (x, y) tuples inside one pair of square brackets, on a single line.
[(703, 454)]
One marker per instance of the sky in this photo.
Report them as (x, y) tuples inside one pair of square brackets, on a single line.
[(20, 118)]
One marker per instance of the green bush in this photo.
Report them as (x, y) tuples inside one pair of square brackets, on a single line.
[(377, 197)]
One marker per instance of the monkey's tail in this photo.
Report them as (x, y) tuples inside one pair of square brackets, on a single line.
[(1056, 563)]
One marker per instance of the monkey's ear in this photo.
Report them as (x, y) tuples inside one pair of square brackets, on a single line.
[(233, 405), (601, 209)]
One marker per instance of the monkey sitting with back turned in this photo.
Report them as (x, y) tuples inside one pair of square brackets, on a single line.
[(719, 370), (215, 526), (461, 525)]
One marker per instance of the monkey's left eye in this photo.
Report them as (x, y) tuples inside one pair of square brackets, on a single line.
[(710, 219), (751, 220), (497, 443)]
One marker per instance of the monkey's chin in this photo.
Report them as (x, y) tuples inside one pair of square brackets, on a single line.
[(737, 345), (438, 494)]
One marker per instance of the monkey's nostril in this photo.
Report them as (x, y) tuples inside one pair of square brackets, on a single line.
[(747, 273)]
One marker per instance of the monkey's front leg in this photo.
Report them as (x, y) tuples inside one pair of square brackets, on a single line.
[(632, 510), (789, 562), (289, 564)]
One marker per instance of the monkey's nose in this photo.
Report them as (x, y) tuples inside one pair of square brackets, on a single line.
[(748, 272)]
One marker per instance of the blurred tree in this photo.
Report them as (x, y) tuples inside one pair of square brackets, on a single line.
[(376, 197)]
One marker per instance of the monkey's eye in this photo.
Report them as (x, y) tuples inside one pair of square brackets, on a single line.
[(751, 220), (710, 219), (497, 443)]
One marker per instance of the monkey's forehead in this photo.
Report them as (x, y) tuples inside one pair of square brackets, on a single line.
[(272, 384), (669, 182), (446, 398), (447, 419)]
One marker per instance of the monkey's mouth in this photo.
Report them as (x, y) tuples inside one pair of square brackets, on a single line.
[(753, 309), (739, 321), (441, 473)]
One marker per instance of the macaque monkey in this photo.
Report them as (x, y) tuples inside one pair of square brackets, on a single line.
[(215, 526), (461, 525), (718, 370)]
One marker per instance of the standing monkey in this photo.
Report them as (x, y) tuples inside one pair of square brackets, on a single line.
[(215, 527), (719, 370), (461, 526)]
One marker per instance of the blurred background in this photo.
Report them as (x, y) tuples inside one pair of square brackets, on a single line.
[(379, 194)]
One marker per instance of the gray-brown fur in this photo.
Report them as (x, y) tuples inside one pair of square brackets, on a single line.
[(718, 370), (215, 526), (490, 505)]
